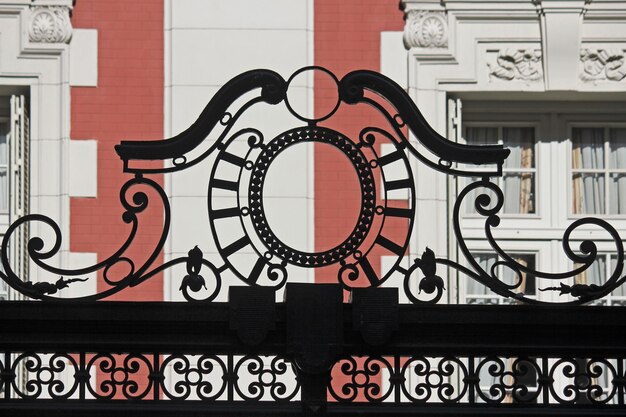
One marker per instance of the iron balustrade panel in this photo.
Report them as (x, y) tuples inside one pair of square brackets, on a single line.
[(198, 328), (88, 359), (80, 376)]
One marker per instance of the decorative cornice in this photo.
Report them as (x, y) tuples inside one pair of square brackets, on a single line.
[(426, 29), (50, 24), (602, 64), (517, 64)]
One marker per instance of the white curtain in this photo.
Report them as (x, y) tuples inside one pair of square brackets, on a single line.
[(588, 153), (474, 288), (4, 162), (518, 186), (617, 160), (619, 291), (595, 274)]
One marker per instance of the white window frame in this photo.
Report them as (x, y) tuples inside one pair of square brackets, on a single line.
[(18, 177), (553, 187), (4, 217)]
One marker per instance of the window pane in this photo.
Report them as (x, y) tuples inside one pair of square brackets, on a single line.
[(474, 287), (588, 193), (595, 274), (528, 286), (518, 187), (617, 159), (481, 135), (587, 148), (521, 142), (475, 292), (4, 191), (510, 277), (617, 194), (519, 193), (620, 291), (4, 150)]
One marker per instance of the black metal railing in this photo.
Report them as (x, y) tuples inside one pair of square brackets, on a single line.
[(89, 358)]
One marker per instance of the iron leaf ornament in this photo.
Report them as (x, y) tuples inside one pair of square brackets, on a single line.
[(246, 149), (431, 282)]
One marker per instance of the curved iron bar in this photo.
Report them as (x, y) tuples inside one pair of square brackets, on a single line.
[(273, 91), (351, 90)]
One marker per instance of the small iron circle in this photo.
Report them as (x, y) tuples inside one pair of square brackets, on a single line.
[(308, 119)]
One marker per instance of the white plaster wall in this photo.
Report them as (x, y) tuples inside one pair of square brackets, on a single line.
[(40, 71), (206, 44)]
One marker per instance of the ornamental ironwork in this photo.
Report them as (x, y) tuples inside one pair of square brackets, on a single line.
[(273, 257), (316, 356)]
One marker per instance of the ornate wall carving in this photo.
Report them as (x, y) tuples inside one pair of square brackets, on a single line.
[(426, 29), (50, 24), (517, 64), (602, 64)]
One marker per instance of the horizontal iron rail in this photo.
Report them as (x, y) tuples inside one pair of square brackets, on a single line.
[(41, 408), (205, 328)]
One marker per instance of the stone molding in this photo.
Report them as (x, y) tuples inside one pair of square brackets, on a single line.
[(426, 29), (517, 64), (602, 64), (50, 24)]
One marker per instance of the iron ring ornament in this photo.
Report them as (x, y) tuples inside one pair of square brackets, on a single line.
[(219, 133), (255, 209)]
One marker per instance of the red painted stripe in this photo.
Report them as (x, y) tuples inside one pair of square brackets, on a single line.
[(126, 104), (347, 38)]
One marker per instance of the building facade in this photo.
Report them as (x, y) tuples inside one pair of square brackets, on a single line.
[(546, 79)]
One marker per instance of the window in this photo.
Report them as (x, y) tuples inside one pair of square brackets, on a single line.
[(598, 170), (4, 166), (567, 160), (519, 171), (14, 180)]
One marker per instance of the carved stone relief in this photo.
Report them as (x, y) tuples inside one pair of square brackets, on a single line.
[(517, 64), (50, 24), (426, 29), (602, 64)]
